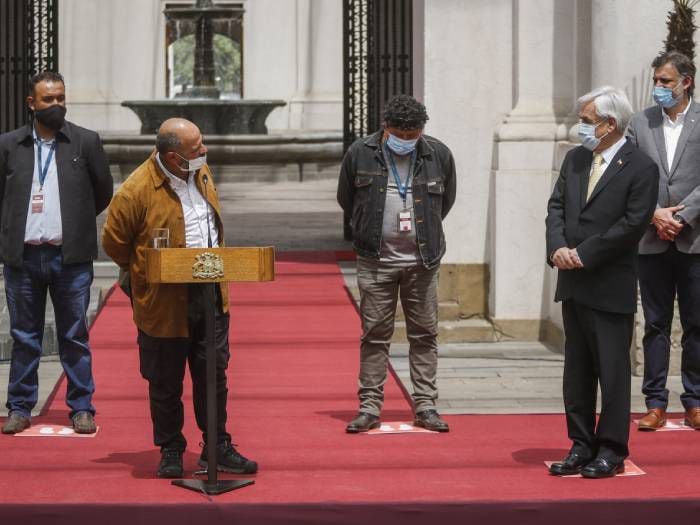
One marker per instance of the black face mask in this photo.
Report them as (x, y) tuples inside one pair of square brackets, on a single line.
[(51, 117)]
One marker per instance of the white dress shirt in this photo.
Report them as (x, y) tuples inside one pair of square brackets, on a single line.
[(609, 154), (672, 132), (194, 209), (44, 226)]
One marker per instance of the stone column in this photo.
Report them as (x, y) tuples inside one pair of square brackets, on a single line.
[(526, 151), (317, 99), (617, 63), (107, 55), (303, 64), (619, 57), (467, 95)]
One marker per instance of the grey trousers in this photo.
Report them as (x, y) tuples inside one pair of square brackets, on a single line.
[(380, 286)]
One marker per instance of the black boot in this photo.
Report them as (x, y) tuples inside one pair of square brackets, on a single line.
[(229, 460), (170, 464)]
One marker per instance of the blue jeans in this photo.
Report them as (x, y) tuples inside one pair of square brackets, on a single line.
[(25, 289)]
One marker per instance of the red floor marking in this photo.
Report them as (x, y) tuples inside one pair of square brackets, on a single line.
[(53, 431), (399, 427)]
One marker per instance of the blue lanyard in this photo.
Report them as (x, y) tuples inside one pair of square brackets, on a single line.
[(44, 169), (403, 188)]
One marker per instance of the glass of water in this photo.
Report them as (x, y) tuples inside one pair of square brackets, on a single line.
[(160, 238)]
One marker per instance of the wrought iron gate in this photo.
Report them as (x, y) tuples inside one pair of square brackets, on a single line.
[(378, 61), (28, 44)]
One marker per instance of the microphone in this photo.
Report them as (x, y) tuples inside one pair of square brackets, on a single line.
[(205, 180)]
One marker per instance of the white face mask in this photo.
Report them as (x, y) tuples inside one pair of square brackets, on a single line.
[(193, 164), (586, 132)]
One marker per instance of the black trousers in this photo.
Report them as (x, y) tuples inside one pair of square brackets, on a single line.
[(661, 277), (597, 350), (162, 362)]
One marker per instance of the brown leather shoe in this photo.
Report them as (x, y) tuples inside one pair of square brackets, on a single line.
[(84, 423), (692, 417), (654, 419), (15, 424)]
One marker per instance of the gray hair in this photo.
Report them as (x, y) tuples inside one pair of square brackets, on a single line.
[(166, 142), (609, 102)]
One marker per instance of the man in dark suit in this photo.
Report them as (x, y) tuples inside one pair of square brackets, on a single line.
[(669, 252), (600, 207), (54, 180)]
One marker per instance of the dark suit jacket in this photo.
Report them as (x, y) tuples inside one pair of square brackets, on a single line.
[(84, 183), (605, 230)]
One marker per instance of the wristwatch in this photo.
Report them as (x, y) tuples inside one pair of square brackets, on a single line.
[(677, 217)]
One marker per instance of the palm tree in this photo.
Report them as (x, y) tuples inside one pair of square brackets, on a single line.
[(681, 26)]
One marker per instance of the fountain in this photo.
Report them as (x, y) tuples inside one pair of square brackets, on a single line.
[(200, 102), (240, 149)]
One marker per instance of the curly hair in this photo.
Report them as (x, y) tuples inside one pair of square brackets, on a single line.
[(405, 112)]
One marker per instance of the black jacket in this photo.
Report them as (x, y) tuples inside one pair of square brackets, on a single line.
[(362, 194), (605, 230), (84, 182)]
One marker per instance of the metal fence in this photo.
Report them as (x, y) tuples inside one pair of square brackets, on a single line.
[(28, 44), (378, 61)]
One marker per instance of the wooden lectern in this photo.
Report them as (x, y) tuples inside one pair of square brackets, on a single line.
[(208, 266)]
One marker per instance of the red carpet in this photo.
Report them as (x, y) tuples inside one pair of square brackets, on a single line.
[(292, 380)]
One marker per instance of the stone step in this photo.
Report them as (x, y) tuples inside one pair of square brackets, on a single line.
[(454, 331), (479, 353), (452, 328), (275, 157), (447, 310), (50, 341)]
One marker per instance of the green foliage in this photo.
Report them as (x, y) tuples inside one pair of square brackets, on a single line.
[(227, 63), (681, 27)]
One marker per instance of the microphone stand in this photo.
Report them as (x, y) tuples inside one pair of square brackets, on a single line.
[(212, 486)]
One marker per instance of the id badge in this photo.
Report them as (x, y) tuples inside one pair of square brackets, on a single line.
[(37, 203), (405, 221)]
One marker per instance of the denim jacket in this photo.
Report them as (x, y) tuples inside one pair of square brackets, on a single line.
[(362, 194)]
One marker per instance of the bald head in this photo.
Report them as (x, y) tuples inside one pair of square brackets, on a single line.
[(179, 126), (179, 140), (174, 132)]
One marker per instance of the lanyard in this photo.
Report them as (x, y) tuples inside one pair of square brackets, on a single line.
[(403, 188), (43, 170)]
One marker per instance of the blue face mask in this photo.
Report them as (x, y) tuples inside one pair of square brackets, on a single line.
[(586, 132), (401, 146), (663, 96)]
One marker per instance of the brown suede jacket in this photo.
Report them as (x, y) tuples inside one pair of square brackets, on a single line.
[(143, 202)]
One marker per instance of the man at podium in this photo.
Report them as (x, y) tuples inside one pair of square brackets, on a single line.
[(170, 201)]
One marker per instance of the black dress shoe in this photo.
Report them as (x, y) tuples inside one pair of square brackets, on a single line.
[(572, 464), (603, 468), (170, 464), (430, 420), (362, 423)]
